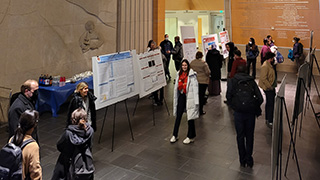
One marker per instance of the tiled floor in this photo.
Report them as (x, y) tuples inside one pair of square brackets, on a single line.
[(212, 156)]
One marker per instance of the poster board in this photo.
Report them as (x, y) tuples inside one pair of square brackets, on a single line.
[(189, 42), (152, 75), (224, 38), (189, 48), (115, 78), (277, 127), (208, 42), (283, 20), (300, 90)]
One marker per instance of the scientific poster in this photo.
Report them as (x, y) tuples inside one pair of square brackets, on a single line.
[(224, 38), (208, 42), (114, 78), (189, 48), (152, 75), (189, 42)]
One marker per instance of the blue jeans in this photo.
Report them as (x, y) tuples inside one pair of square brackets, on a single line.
[(245, 123)]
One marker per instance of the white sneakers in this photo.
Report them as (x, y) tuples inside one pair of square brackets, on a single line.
[(173, 139), (188, 141), (185, 141)]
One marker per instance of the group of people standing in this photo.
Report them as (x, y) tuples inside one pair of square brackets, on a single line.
[(243, 94), (192, 81), (23, 121)]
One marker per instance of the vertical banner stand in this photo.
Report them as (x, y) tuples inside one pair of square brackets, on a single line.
[(114, 123)]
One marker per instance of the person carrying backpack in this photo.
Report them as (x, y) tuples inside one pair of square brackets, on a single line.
[(245, 99), (19, 159), (75, 160)]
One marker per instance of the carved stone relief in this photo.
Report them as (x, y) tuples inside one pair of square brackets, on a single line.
[(90, 39)]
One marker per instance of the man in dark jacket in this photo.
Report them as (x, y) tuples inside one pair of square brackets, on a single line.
[(166, 49), (177, 53), (24, 101), (245, 99)]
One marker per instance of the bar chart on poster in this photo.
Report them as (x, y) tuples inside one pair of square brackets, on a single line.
[(282, 19)]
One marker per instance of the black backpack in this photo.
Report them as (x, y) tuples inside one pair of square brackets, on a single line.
[(81, 167), (11, 160), (244, 98)]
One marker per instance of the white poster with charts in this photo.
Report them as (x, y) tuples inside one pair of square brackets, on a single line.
[(189, 42), (152, 76), (114, 78), (224, 38)]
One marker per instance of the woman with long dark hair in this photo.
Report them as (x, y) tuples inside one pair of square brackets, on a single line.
[(185, 98), (230, 48), (252, 53), (30, 153), (298, 52)]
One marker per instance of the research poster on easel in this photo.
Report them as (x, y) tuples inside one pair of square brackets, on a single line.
[(209, 42), (224, 38), (114, 78), (152, 75), (189, 42)]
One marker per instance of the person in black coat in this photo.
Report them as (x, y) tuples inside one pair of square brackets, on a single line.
[(214, 60), (252, 52), (79, 133), (230, 48), (85, 99), (177, 53), (24, 101), (246, 105), (166, 49)]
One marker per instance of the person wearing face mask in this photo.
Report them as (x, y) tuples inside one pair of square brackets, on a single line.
[(26, 100), (83, 98), (166, 49), (252, 53), (268, 83)]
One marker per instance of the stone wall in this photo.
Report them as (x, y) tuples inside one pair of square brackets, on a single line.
[(42, 37)]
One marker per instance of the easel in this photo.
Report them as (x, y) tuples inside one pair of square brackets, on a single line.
[(153, 114), (313, 58), (308, 101), (114, 122), (283, 103), (293, 128)]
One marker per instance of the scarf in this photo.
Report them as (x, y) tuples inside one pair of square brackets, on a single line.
[(182, 83)]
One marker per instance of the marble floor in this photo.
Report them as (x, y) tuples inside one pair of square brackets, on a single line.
[(213, 155)]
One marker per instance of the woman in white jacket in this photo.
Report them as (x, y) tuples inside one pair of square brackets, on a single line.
[(185, 98)]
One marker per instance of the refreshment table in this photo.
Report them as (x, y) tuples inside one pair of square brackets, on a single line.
[(52, 97)]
